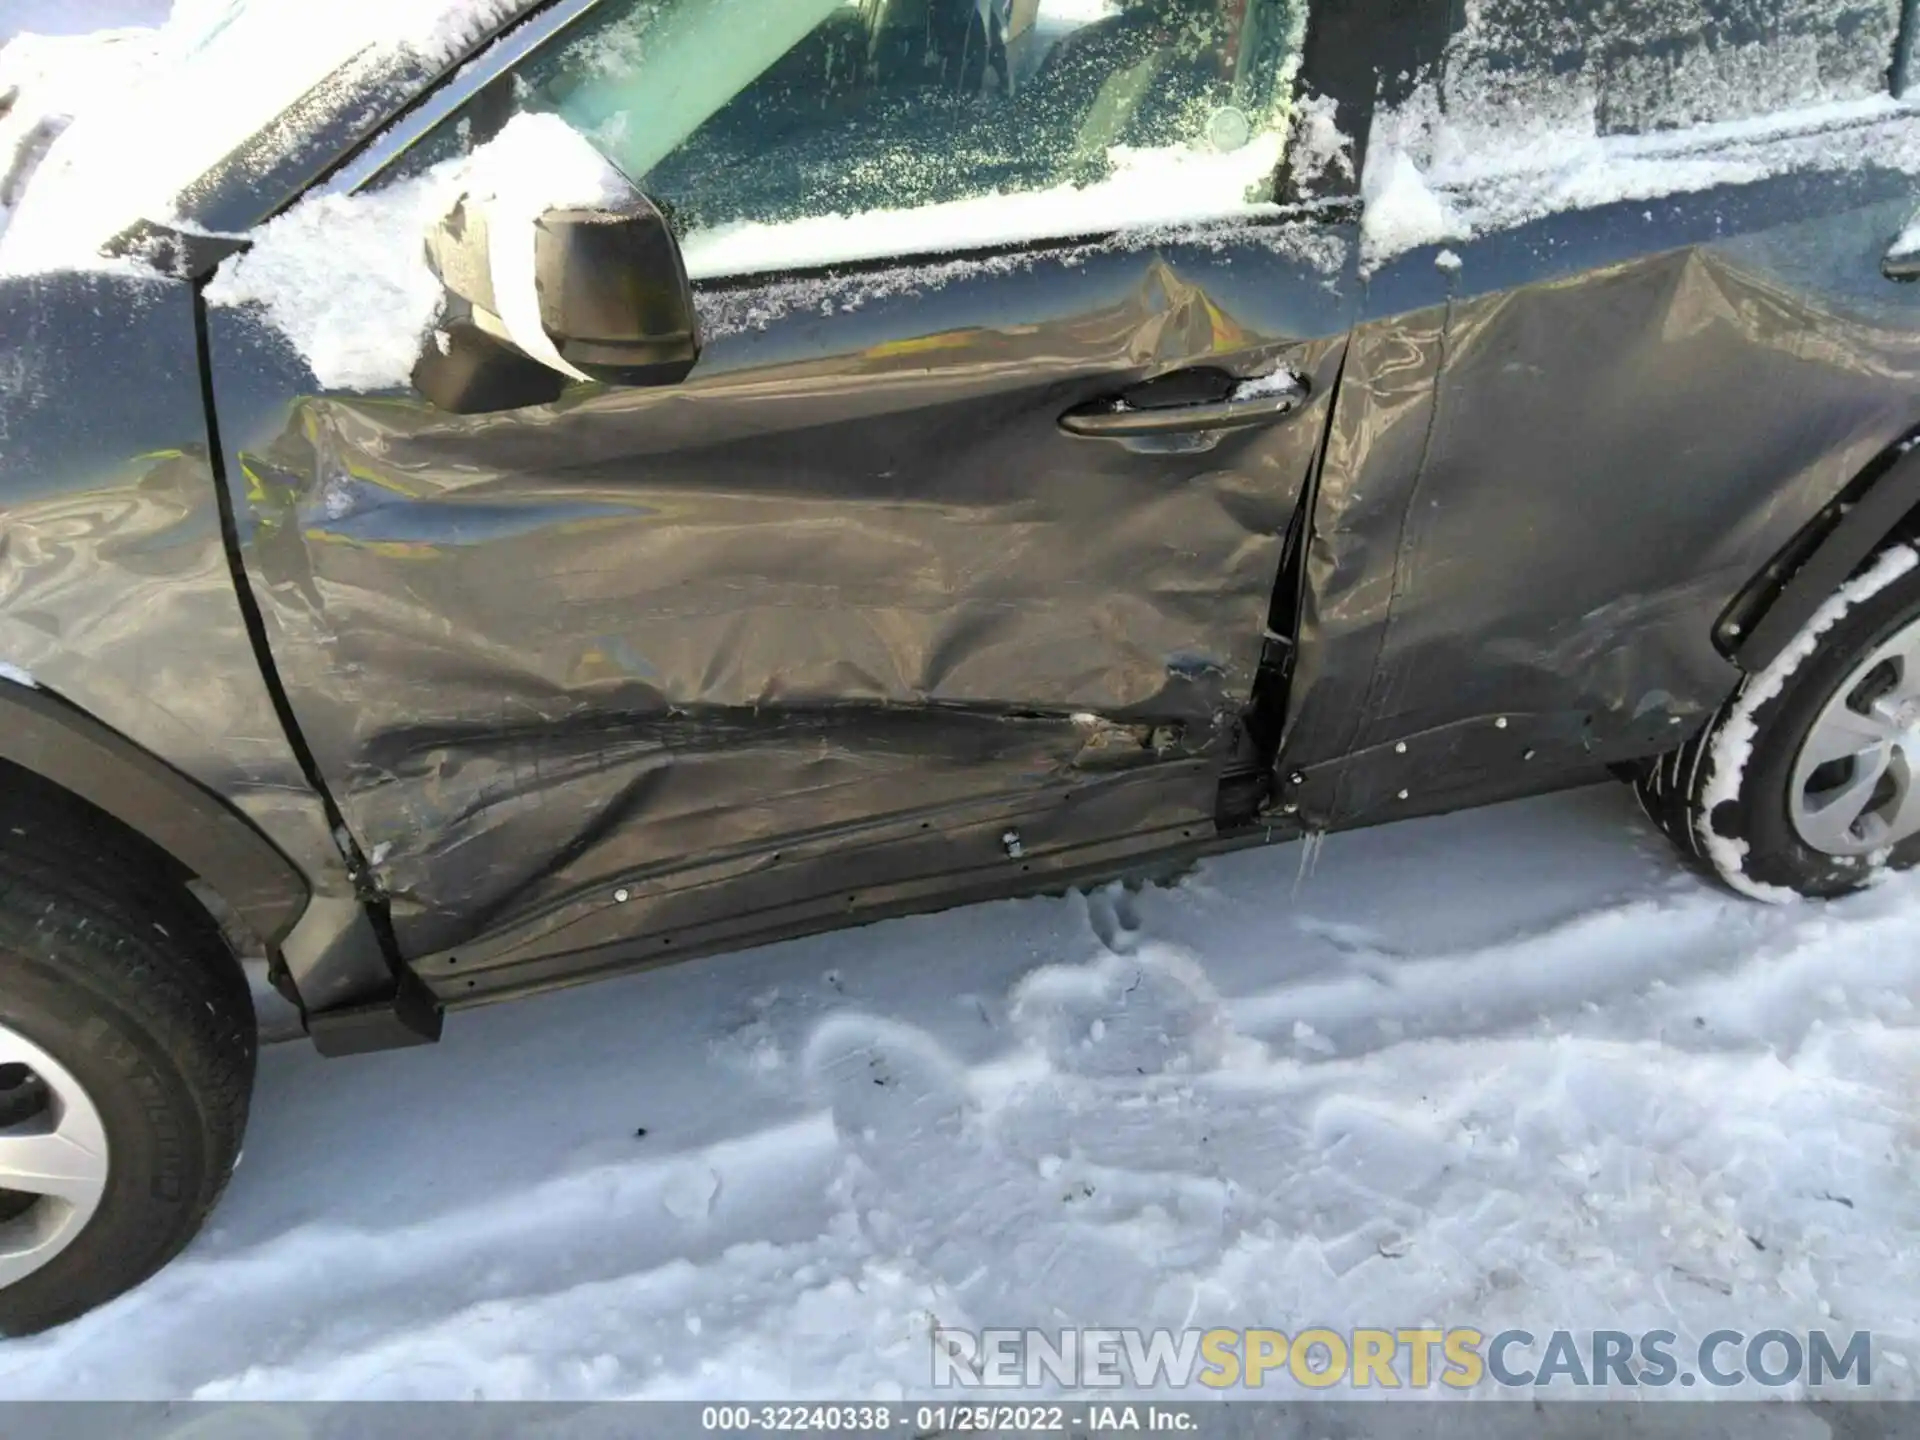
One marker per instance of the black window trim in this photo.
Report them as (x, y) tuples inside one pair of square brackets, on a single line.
[(1902, 77), (439, 103)]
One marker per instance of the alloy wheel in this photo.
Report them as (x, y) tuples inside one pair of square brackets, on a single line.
[(53, 1157), (1854, 789)]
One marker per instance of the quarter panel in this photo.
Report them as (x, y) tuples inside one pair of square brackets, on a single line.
[(1545, 484)]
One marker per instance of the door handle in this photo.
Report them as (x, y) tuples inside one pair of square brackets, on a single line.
[(1252, 402)]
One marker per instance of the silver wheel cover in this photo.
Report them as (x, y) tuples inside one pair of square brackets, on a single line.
[(56, 1158), (1854, 781)]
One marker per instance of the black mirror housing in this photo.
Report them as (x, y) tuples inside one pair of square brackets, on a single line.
[(465, 370), (614, 294)]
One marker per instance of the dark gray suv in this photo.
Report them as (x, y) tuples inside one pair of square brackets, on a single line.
[(497, 492)]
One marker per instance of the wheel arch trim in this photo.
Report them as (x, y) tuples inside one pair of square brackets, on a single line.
[(1771, 609), (61, 743)]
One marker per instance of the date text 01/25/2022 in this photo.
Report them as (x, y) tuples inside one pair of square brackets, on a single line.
[(950, 1419)]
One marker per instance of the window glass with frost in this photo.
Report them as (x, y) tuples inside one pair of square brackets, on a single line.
[(781, 134), (1639, 66)]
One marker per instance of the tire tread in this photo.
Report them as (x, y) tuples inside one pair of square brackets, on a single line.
[(103, 924)]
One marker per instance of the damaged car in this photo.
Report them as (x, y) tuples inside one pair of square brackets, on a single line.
[(495, 493)]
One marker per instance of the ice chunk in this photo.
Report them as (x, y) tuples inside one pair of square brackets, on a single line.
[(1281, 382), (1402, 210)]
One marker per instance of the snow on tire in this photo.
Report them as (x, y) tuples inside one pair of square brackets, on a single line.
[(1806, 782)]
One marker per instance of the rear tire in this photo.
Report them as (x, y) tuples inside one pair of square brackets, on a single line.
[(117, 985), (1748, 800)]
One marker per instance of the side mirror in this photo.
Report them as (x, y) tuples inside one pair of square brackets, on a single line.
[(545, 299)]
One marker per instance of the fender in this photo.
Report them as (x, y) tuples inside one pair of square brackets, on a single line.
[(63, 744), (1763, 619)]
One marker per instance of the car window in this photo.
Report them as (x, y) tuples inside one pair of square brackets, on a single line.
[(1639, 66), (783, 134)]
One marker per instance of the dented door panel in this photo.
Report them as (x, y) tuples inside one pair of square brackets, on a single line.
[(846, 620)]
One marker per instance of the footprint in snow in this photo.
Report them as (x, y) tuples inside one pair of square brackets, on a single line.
[(930, 1179), (1151, 1012), (898, 1099), (1114, 916), (688, 1193)]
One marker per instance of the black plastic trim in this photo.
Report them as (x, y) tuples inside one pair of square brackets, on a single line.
[(1902, 74), (63, 744), (411, 1016), (1763, 620), (1364, 55)]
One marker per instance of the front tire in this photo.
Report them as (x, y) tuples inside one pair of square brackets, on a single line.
[(127, 1052), (1807, 781)]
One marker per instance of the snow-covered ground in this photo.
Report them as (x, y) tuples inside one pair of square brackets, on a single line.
[(1510, 1067)]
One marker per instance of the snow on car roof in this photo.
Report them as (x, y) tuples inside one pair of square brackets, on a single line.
[(185, 96)]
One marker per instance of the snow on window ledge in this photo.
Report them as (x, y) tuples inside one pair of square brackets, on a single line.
[(1434, 178), (1175, 185)]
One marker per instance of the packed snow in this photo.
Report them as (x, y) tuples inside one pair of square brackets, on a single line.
[(1511, 1067), (1320, 149), (1402, 209), (1906, 245), (51, 68), (212, 75), (346, 279), (1270, 386)]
